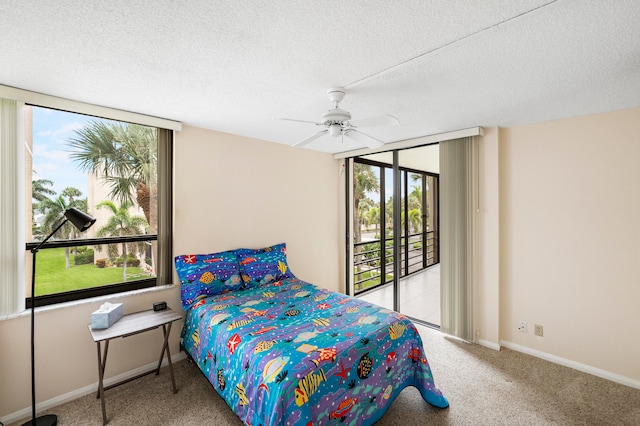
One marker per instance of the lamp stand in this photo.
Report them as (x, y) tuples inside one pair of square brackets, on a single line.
[(82, 222), (49, 419)]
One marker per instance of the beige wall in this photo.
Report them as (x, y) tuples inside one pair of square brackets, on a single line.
[(236, 192), (570, 239), (229, 192)]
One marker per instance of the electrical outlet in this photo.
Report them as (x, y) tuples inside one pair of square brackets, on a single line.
[(538, 330), (522, 328)]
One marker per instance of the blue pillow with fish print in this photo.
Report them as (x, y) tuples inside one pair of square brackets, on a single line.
[(246, 251), (204, 275), (264, 265)]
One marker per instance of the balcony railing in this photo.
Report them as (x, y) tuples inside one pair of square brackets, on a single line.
[(417, 252)]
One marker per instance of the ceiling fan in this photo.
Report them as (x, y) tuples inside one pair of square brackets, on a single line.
[(337, 122)]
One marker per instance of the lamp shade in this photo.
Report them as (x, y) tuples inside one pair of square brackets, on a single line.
[(80, 219)]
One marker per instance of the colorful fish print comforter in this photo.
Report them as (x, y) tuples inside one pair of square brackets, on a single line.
[(291, 353)]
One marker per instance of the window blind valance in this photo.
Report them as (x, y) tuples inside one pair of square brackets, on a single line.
[(54, 102)]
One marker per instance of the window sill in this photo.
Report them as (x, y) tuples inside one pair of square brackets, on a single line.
[(74, 303)]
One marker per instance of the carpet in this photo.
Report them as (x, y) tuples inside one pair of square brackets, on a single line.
[(484, 387)]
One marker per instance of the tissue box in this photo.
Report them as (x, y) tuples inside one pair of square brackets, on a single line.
[(101, 319)]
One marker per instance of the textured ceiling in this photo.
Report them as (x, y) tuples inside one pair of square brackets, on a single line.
[(236, 66)]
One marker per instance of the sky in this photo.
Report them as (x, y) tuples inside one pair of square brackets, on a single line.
[(51, 160)]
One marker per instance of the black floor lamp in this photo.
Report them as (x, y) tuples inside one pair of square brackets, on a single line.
[(82, 221)]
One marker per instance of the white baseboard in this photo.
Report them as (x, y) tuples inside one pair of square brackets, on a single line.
[(623, 380), (92, 388), (488, 344)]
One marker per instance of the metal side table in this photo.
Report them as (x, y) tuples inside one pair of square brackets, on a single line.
[(129, 325)]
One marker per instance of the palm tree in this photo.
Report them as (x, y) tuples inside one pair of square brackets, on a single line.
[(363, 210), (53, 210), (122, 224), (415, 199), (364, 181), (388, 211), (53, 213), (415, 220), (373, 217), (126, 156), (40, 192)]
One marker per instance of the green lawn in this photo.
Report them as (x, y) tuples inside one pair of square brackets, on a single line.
[(53, 277)]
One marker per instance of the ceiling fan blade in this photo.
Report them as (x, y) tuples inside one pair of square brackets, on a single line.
[(310, 138), (299, 121), (358, 136), (382, 120)]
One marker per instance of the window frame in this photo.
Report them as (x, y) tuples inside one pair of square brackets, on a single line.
[(163, 237)]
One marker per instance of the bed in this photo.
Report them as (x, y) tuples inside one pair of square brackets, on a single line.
[(282, 351)]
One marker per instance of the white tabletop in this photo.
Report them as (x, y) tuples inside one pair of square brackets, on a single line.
[(135, 323)]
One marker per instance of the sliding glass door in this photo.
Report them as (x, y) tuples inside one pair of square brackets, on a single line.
[(384, 229), (373, 231), (419, 284)]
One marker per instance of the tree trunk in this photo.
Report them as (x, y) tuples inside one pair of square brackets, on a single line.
[(357, 236), (143, 198), (66, 258), (147, 198), (124, 263)]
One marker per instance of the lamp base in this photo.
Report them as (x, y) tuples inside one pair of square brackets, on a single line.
[(48, 420)]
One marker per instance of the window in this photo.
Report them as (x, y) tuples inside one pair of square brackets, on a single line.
[(117, 172)]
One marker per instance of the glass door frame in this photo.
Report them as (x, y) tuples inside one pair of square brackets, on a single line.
[(398, 199)]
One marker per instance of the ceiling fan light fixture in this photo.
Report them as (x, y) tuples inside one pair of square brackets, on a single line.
[(335, 130)]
